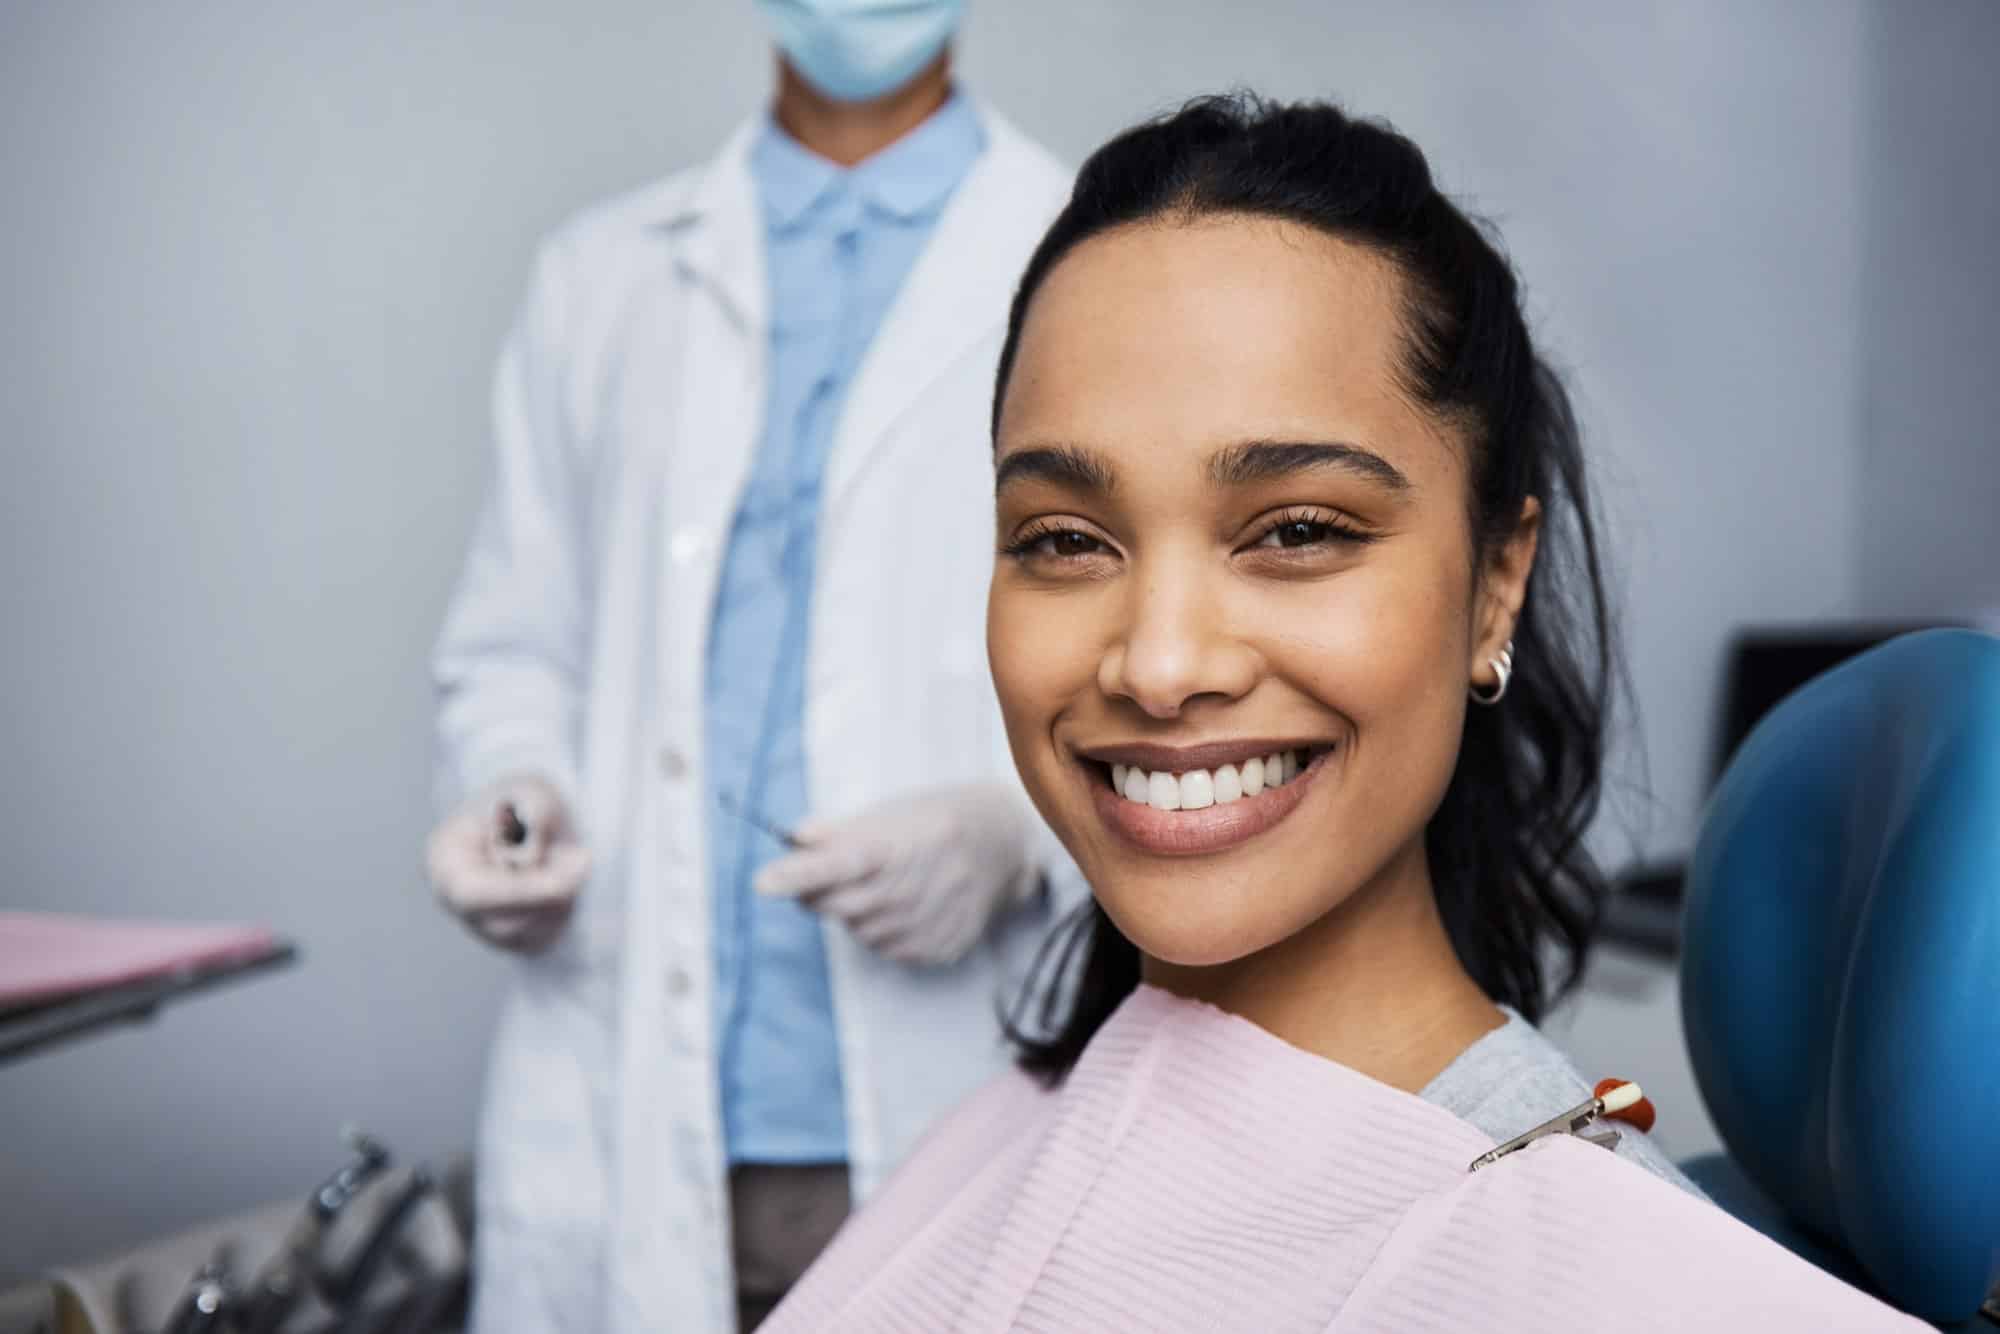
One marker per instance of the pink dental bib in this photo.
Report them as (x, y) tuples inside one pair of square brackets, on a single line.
[(1196, 1173)]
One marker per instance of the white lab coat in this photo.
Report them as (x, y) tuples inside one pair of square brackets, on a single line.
[(628, 407)]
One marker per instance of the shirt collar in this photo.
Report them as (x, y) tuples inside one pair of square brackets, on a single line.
[(909, 179)]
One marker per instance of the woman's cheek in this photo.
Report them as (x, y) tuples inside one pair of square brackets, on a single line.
[(1363, 642), (1382, 651), (1035, 650), (1042, 640), (1008, 652), (1410, 706)]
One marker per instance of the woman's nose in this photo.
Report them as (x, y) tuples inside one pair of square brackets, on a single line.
[(1175, 648)]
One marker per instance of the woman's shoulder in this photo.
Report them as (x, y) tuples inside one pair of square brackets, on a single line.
[(1549, 1235), (1515, 1078)]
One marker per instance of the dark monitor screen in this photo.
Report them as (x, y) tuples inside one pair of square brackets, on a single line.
[(1766, 666)]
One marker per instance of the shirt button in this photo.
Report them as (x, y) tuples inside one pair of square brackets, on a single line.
[(685, 546), (673, 764), (677, 983)]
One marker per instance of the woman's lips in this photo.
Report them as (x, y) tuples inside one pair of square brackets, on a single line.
[(1210, 829)]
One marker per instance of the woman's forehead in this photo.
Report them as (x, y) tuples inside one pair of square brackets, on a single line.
[(1176, 340)]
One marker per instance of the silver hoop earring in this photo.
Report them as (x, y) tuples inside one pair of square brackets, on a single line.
[(1503, 669)]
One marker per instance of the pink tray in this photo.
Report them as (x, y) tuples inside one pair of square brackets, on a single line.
[(50, 956)]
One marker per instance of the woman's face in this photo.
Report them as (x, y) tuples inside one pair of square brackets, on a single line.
[(1236, 611)]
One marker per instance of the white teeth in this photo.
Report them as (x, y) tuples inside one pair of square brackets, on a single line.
[(1228, 785), (1253, 776), (1198, 789), (1136, 787)]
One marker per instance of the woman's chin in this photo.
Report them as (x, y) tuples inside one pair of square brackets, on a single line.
[(1191, 954), (1189, 941)]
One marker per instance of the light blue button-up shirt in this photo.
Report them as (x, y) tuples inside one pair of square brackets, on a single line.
[(838, 244)]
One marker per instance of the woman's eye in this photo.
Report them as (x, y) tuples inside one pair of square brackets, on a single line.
[(1071, 543), (1058, 544), (1301, 533)]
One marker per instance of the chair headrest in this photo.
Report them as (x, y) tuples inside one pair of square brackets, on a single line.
[(1840, 974)]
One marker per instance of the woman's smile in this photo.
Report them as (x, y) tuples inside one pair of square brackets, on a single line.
[(1188, 801)]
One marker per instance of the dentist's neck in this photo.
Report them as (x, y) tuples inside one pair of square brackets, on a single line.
[(847, 132)]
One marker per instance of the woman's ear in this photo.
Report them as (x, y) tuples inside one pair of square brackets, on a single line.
[(1503, 588)]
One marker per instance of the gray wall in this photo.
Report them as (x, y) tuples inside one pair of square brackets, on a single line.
[(1927, 506), (258, 259)]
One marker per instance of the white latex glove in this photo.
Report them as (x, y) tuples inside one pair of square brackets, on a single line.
[(508, 864), (917, 879)]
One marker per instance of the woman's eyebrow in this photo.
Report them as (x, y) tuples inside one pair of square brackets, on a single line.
[(1064, 465), (1266, 460)]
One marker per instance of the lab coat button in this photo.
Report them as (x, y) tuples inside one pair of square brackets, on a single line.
[(686, 546), (677, 982), (673, 764)]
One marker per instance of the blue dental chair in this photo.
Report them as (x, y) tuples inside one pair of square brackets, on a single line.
[(1840, 975)]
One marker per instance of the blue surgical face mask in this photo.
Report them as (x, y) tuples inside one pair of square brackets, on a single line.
[(859, 50)]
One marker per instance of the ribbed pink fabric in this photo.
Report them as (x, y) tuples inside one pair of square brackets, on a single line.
[(1196, 1173)]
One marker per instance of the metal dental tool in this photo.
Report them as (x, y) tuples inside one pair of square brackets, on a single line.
[(785, 837), (511, 843), (1576, 1121)]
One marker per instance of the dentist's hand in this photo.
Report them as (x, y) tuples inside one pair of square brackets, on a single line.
[(508, 864), (917, 879)]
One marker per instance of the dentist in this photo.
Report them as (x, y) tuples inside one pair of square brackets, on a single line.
[(716, 731)]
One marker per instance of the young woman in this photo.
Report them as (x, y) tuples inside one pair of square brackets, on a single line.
[(1300, 636)]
